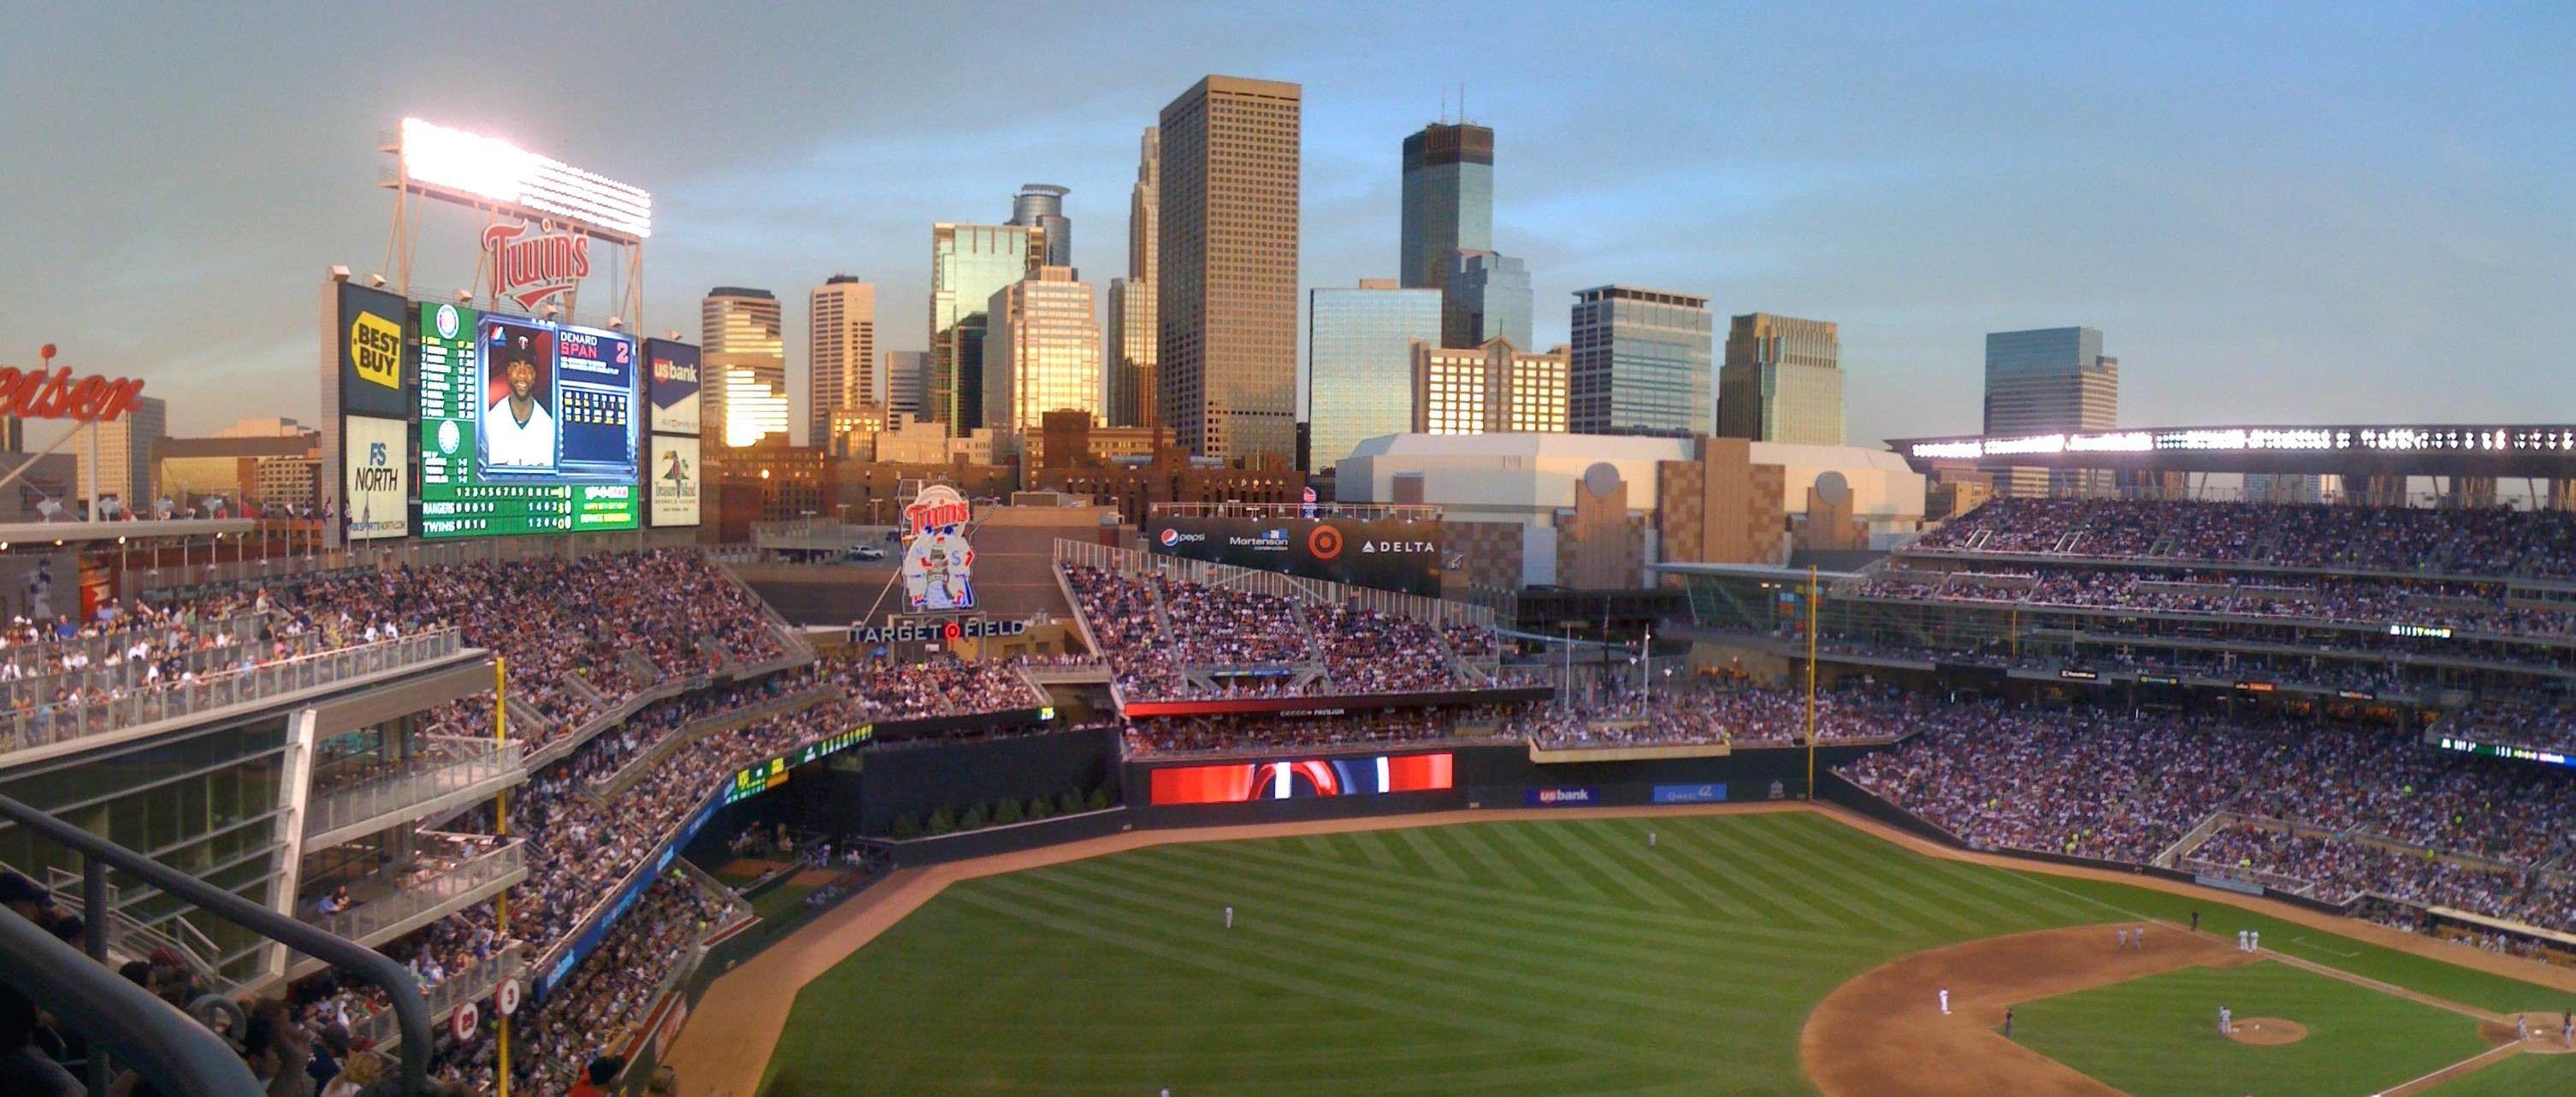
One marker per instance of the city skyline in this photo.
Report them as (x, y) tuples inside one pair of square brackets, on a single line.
[(2280, 227)]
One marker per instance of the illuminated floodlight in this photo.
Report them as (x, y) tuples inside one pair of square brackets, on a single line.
[(477, 167)]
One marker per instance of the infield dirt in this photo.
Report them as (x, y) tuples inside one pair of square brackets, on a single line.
[(1884, 1032)]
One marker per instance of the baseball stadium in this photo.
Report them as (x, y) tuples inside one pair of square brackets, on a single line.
[(558, 748), (2123, 794)]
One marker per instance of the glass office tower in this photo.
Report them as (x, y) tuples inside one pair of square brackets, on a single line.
[(1359, 360)]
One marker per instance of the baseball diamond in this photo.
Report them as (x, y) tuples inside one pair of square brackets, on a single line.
[(1754, 949)]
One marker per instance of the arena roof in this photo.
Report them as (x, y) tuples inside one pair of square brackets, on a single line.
[(2379, 449)]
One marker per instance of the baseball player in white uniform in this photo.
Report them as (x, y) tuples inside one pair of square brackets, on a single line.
[(1945, 1001), (1229, 916), (2226, 1021)]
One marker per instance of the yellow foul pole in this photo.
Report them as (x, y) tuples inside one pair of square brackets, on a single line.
[(501, 827), (1811, 686)]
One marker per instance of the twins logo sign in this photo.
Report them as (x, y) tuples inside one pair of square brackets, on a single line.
[(530, 265)]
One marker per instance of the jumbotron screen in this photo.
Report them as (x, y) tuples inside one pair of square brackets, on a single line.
[(1242, 782), (525, 426)]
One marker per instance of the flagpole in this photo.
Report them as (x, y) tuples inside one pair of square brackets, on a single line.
[(1811, 682)]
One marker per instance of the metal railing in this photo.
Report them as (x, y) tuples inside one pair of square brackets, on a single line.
[(470, 985), (50, 724), (471, 762), (690, 731), (177, 1060), (173, 1052), (421, 897)]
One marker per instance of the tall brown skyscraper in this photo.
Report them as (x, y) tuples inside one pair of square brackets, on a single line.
[(1226, 294)]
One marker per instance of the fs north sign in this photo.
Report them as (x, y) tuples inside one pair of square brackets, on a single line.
[(531, 265)]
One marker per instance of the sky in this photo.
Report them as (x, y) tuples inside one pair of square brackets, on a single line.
[(2276, 213)]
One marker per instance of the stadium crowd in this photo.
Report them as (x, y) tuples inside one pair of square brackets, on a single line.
[(568, 653), (2123, 787), (2457, 606), (1155, 628), (2479, 541), (1743, 715)]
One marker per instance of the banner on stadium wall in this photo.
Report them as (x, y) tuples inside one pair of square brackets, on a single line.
[(1242, 782), (672, 387), (676, 481), (373, 380), (1382, 554), (1713, 793), (376, 477), (1561, 797)]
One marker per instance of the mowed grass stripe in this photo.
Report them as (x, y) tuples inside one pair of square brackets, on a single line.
[(1567, 841), (1483, 849), (1504, 903), (1972, 886), (1438, 931), (1566, 877), (1365, 848), (1441, 902), (1442, 946), (1775, 887), (1869, 904), (1398, 857), (1879, 894), (1628, 845), (1435, 861), (1291, 969)]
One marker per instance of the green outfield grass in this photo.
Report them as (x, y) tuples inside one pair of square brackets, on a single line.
[(2518, 1076), (1558, 956), (2158, 1036)]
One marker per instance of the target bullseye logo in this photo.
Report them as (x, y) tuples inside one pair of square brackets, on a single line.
[(949, 632), (1324, 542)]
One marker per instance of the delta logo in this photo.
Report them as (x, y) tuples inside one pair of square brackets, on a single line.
[(375, 350)]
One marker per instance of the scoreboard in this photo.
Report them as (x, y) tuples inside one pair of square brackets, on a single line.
[(525, 426)]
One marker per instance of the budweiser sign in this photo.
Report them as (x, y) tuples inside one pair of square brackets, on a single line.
[(43, 393), (530, 264)]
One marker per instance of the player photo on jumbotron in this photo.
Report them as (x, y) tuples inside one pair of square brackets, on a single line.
[(518, 428)]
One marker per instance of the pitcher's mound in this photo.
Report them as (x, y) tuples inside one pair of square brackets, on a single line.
[(2544, 1029), (2267, 1031)]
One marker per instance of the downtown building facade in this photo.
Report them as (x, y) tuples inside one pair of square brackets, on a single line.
[(1485, 296), (907, 379), (744, 395), (968, 265), (1641, 363), (1495, 388), (123, 469), (1782, 381), (840, 349), (1041, 354), (1041, 206), (1226, 287), (1130, 397), (2046, 381), (1359, 349), (1448, 201)]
